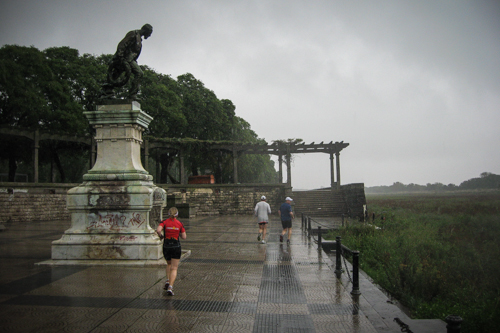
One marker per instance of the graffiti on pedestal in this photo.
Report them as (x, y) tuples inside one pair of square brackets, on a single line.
[(116, 220)]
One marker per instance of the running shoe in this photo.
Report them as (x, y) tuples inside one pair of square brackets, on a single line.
[(263, 242), (288, 241), (165, 287), (281, 238), (259, 237), (170, 291)]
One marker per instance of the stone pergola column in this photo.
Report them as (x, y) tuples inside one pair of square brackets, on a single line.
[(182, 171), (280, 170), (36, 147), (235, 165), (158, 166), (332, 171), (288, 166), (337, 155)]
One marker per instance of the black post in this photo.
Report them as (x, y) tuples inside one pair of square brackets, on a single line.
[(342, 220), (302, 222), (454, 323), (338, 254), (355, 273), (319, 239), (309, 225)]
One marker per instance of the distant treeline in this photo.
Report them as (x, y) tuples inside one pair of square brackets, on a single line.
[(487, 180)]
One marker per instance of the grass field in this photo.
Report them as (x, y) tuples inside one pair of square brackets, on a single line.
[(438, 254)]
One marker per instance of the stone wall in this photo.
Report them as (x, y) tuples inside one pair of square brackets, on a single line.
[(25, 202), (354, 195), (214, 199)]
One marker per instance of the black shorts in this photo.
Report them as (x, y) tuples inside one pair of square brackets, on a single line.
[(262, 223), (172, 253), (286, 224)]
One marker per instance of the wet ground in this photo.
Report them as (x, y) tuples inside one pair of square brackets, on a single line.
[(228, 283)]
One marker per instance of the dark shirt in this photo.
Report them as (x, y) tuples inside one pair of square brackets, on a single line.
[(285, 210)]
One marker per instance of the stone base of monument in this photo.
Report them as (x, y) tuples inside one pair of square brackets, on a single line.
[(110, 210), (104, 262)]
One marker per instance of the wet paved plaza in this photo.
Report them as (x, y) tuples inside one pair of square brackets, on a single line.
[(229, 283)]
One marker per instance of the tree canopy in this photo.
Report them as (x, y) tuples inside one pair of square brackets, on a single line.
[(487, 180), (49, 90)]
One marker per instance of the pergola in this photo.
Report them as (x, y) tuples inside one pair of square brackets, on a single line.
[(282, 149)]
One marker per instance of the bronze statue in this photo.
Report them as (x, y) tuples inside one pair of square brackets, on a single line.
[(124, 63)]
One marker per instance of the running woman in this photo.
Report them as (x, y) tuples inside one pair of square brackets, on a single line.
[(173, 230)]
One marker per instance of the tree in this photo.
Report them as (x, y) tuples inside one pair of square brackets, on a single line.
[(253, 168), (487, 180), (35, 94), (30, 94), (49, 90), (206, 118)]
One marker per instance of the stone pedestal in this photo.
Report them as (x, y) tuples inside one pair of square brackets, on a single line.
[(110, 210)]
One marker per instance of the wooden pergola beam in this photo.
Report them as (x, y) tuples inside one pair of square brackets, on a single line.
[(281, 149)]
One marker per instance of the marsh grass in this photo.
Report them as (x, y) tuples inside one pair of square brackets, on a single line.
[(437, 254)]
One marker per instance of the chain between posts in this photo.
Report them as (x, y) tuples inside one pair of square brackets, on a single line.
[(453, 321), (345, 264), (340, 251)]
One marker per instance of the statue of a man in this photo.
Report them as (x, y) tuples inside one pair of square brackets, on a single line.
[(124, 63)]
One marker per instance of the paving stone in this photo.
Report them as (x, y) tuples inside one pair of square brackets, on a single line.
[(229, 283)]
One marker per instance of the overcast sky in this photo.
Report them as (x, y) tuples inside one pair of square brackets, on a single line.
[(412, 86)]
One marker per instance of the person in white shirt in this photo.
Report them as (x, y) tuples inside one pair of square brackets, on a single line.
[(262, 211)]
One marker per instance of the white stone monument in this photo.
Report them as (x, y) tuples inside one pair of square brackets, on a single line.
[(110, 210)]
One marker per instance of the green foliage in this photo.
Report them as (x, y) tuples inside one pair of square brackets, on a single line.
[(204, 112), (35, 92), (437, 254), (487, 180), (162, 103), (49, 90)]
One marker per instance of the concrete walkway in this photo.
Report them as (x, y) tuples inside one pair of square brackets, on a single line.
[(229, 283)]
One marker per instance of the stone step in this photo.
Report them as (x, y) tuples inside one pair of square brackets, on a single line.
[(318, 202)]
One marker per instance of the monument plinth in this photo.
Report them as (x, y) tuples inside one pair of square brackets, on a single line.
[(110, 210)]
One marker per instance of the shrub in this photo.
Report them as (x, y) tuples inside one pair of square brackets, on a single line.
[(438, 255)]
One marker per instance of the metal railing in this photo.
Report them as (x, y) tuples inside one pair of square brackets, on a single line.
[(453, 321), (340, 252)]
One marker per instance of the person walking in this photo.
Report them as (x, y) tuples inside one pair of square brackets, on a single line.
[(172, 229), (286, 216), (262, 211)]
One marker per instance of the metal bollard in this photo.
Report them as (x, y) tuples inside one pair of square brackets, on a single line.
[(302, 222), (355, 273), (319, 239), (454, 323), (309, 224), (338, 255)]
